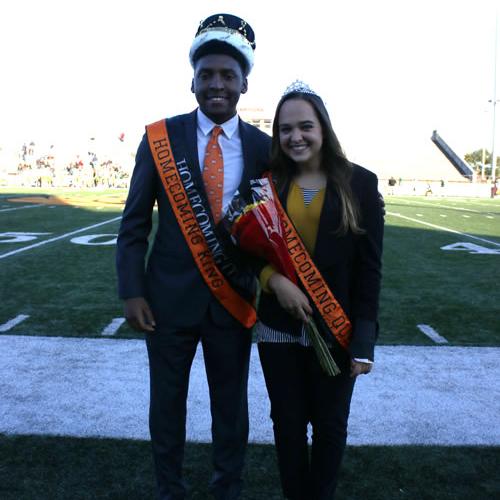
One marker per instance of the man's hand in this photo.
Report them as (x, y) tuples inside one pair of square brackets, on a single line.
[(290, 297), (360, 368), (139, 315)]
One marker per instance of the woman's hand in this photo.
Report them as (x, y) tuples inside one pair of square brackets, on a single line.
[(290, 297), (360, 368)]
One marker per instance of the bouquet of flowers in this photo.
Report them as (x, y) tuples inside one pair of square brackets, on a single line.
[(258, 230)]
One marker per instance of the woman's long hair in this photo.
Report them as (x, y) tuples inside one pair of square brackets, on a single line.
[(333, 162)]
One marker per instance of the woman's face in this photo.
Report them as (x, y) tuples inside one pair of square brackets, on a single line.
[(300, 134)]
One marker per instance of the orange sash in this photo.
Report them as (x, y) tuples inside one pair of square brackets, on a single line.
[(161, 150), (317, 289)]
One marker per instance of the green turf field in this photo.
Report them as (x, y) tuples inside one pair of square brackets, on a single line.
[(88, 469), (69, 289), (56, 287)]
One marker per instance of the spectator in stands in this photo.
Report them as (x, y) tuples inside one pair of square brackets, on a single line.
[(392, 183)]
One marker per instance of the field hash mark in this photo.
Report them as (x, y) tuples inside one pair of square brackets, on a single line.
[(13, 322), (432, 334), (113, 327)]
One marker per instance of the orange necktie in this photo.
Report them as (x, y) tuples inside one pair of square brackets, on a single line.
[(213, 174)]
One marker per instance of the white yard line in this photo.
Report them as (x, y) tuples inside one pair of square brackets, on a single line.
[(432, 334), (66, 235), (434, 204), (437, 202), (476, 204), (459, 208), (21, 207), (442, 228), (13, 322), (113, 327)]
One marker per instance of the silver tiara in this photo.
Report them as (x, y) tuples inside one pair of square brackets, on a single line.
[(299, 86)]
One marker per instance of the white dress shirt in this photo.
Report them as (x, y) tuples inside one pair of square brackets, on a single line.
[(232, 153)]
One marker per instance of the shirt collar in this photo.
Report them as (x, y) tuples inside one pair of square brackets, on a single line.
[(205, 124)]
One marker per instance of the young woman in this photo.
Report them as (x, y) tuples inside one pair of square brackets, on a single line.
[(335, 207)]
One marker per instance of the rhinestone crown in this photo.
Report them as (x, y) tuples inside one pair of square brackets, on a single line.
[(299, 86)]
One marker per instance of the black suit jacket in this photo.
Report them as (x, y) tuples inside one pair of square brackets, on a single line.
[(350, 264), (171, 282)]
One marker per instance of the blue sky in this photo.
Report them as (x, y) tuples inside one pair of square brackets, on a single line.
[(390, 71)]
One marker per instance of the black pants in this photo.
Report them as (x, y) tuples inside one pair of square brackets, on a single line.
[(301, 393), (226, 353)]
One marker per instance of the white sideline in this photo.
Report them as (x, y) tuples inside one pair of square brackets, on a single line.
[(442, 228), (60, 237), (434, 395)]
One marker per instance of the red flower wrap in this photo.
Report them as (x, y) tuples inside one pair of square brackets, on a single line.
[(258, 230)]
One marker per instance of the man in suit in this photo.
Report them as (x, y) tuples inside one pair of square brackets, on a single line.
[(172, 300)]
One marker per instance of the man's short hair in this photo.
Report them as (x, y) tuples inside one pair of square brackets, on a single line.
[(218, 47)]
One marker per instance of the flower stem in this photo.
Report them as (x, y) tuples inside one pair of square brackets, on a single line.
[(324, 356)]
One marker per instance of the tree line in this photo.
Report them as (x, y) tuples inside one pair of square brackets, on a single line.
[(476, 161)]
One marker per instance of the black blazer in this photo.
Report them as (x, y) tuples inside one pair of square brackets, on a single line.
[(171, 282), (350, 264)]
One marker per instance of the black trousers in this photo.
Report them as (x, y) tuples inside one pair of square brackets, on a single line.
[(226, 352), (300, 393)]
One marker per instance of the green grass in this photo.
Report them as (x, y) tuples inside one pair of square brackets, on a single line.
[(55, 468), (455, 292), (465, 215), (67, 289), (70, 289)]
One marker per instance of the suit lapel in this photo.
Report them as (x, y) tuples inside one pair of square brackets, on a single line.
[(191, 142), (328, 223), (249, 158)]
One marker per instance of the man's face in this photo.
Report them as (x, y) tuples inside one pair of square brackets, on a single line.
[(217, 84)]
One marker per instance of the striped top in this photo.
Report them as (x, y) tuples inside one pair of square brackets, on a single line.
[(264, 333), (308, 195), (304, 209)]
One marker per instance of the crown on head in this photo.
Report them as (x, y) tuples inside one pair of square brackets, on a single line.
[(299, 86), (228, 29)]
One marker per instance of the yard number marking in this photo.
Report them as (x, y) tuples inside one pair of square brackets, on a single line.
[(83, 229), (471, 248), (18, 237), (88, 239)]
